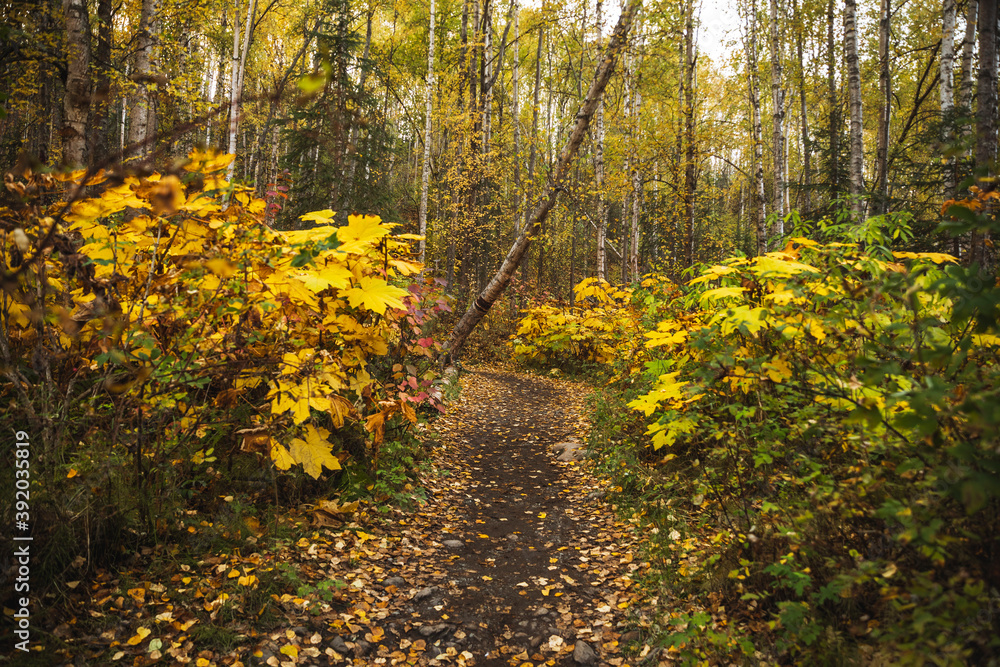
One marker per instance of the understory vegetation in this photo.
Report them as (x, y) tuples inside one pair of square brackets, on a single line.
[(811, 437)]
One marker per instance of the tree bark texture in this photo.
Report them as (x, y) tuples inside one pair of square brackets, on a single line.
[(856, 165), (885, 111), (76, 104), (602, 214), (778, 120), (557, 180), (425, 177), (986, 114), (753, 89), (142, 117)]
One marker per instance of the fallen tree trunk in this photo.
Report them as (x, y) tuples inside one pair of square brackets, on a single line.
[(557, 178)]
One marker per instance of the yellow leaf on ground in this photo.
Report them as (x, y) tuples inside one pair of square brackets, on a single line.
[(140, 634)]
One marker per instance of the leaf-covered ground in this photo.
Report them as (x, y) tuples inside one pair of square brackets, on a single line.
[(515, 559)]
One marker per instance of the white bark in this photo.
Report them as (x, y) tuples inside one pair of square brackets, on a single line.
[(750, 45), (968, 44), (602, 214), (778, 119), (856, 163), (239, 62), (429, 104)]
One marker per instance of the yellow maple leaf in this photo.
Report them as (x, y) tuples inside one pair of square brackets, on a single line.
[(778, 369), (314, 452), (282, 459), (375, 294), (361, 232)]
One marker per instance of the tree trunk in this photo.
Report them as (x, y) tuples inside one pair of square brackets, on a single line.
[(856, 164), (804, 121), (831, 81), (557, 180), (239, 65), (602, 214), (352, 142), (885, 111), (76, 104), (425, 177), (690, 175), (760, 202), (100, 136), (968, 43), (986, 111), (778, 119), (947, 90), (142, 118)]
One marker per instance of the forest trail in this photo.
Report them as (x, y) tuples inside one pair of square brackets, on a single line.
[(514, 560)]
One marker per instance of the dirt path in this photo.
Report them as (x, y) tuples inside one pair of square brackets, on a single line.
[(515, 560)]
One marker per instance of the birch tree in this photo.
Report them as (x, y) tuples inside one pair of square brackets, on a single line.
[(778, 119), (856, 164), (556, 183), (425, 177), (756, 131), (142, 117), (602, 214), (76, 104), (947, 90), (239, 62)]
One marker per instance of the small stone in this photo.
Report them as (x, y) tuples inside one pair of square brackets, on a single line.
[(394, 581), (595, 495), (541, 611), (583, 654), (361, 647), (339, 645), (424, 593), (630, 636), (454, 544), (433, 630), (535, 641)]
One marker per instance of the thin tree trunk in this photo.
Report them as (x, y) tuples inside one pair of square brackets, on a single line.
[(142, 118), (778, 119), (831, 81), (602, 214), (854, 96), (806, 153), (760, 201), (76, 104), (690, 175), (986, 111), (968, 43), (425, 177), (557, 180), (885, 110), (353, 140), (239, 65), (100, 137), (515, 112), (947, 90)]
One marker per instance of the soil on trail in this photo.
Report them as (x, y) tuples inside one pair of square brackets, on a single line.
[(514, 559), (523, 562)]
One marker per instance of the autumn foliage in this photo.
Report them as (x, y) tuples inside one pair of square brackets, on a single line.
[(158, 329), (815, 449)]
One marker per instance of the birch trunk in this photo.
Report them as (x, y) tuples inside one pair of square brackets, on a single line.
[(831, 81), (856, 165), (556, 183), (804, 120), (778, 119), (602, 214), (947, 90), (760, 202), (968, 43), (239, 66), (885, 111), (690, 175), (425, 177), (76, 103), (142, 116)]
